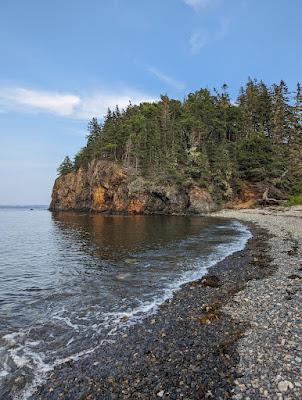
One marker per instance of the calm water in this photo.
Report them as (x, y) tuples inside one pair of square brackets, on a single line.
[(69, 282)]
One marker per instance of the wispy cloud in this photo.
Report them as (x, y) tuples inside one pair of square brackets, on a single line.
[(200, 39), (68, 105), (98, 103), (28, 99), (197, 41), (197, 4), (166, 79)]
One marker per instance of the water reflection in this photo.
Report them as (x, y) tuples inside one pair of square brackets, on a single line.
[(112, 237)]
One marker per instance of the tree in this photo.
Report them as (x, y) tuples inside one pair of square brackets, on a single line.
[(94, 130), (65, 167), (205, 139), (281, 114)]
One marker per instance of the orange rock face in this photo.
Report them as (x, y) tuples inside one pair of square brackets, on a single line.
[(248, 197), (99, 195), (136, 207), (108, 187)]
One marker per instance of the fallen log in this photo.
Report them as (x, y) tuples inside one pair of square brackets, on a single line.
[(268, 201)]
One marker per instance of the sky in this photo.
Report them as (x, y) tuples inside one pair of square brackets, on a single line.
[(65, 61)]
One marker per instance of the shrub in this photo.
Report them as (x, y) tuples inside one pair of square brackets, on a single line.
[(294, 200)]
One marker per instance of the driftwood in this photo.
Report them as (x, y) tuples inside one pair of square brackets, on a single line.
[(268, 201)]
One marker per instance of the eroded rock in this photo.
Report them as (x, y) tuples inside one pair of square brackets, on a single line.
[(106, 186)]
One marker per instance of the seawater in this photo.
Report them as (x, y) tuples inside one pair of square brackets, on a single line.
[(69, 282)]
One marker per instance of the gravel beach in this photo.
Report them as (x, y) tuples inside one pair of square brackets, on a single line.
[(270, 352), (235, 333)]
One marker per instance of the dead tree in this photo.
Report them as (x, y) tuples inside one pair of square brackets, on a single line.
[(268, 201)]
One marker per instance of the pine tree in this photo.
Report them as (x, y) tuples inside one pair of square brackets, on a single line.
[(205, 138), (247, 101), (281, 114), (297, 114), (65, 167), (94, 130)]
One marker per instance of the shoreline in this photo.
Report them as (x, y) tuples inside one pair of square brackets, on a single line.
[(186, 350)]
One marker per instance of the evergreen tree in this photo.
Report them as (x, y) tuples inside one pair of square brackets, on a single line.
[(281, 114), (205, 138), (65, 167), (94, 130)]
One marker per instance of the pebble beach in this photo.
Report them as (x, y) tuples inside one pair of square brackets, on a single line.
[(270, 352)]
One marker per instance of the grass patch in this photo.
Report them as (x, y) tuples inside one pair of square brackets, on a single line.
[(294, 200)]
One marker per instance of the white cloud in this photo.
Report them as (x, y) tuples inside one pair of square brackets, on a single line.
[(166, 79), (68, 105), (198, 40), (97, 104), (52, 102), (197, 4)]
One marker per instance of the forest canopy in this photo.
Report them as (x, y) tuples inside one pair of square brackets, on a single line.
[(206, 138)]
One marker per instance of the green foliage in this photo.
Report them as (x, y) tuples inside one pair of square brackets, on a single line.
[(294, 200), (82, 158), (255, 157), (206, 139), (65, 167)]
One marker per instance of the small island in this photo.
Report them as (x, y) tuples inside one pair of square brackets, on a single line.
[(190, 157)]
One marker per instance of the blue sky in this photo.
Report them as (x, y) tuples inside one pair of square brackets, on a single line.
[(65, 61)]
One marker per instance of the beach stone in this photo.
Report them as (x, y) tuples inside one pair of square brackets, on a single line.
[(161, 393), (283, 386), (211, 281)]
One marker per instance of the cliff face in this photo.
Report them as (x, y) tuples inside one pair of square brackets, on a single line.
[(107, 187)]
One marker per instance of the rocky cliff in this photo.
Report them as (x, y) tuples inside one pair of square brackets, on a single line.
[(107, 187)]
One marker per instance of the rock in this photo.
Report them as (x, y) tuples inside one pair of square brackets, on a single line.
[(161, 393), (211, 281), (131, 260), (200, 200), (283, 386), (19, 380), (294, 276), (106, 186)]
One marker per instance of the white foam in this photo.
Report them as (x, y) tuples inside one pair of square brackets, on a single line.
[(12, 338), (5, 372), (69, 341), (67, 322), (146, 309), (42, 369)]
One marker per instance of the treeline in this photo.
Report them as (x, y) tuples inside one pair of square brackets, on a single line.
[(206, 138)]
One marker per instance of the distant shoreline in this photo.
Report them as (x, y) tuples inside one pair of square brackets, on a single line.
[(25, 206)]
